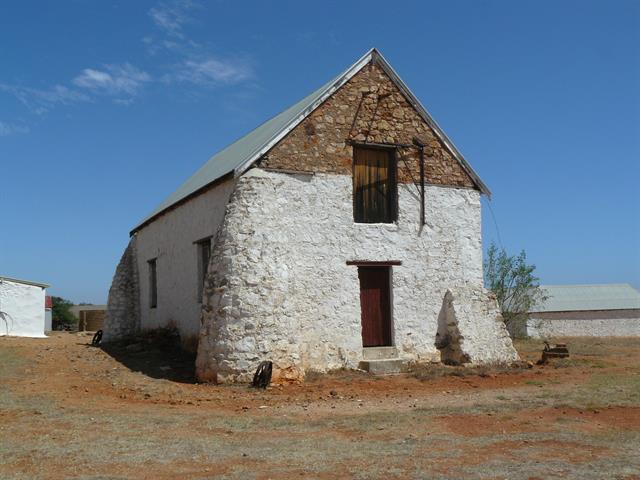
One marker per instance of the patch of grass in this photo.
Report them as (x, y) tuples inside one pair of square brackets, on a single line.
[(433, 371), (10, 363), (579, 362), (602, 390), (534, 382)]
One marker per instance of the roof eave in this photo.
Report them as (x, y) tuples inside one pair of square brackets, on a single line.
[(184, 199), (25, 282)]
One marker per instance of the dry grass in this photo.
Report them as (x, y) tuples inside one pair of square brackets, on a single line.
[(437, 370), (578, 421)]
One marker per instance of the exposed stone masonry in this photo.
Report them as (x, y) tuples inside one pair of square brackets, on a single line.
[(123, 306), (368, 107), (279, 288), (471, 328)]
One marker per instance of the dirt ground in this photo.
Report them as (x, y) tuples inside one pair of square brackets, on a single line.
[(69, 410)]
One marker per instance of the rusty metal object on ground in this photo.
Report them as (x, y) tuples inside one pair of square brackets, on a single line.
[(559, 350), (97, 338), (262, 377)]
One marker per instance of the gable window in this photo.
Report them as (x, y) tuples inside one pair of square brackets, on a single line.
[(153, 284), (204, 253), (374, 185)]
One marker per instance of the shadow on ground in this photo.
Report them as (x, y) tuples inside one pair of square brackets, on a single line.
[(156, 353)]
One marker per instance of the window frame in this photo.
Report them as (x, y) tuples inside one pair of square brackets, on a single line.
[(201, 268), (153, 282), (393, 182)]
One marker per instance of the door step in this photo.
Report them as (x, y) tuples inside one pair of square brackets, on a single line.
[(379, 353), (387, 366)]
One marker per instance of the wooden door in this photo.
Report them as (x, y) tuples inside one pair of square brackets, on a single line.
[(375, 306)]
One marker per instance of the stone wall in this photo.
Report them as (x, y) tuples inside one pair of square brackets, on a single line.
[(471, 328), (171, 240), (279, 288), (368, 107), (123, 306), (603, 323)]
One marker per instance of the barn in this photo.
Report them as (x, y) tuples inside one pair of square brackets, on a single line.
[(344, 232), (605, 310), (22, 307)]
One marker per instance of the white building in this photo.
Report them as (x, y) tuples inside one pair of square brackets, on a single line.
[(325, 238), (48, 313), (22, 307), (609, 310)]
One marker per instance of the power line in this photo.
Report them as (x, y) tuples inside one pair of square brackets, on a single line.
[(495, 223)]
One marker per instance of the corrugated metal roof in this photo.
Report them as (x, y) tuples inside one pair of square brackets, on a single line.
[(565, 298), (239, 156), (25, 282)]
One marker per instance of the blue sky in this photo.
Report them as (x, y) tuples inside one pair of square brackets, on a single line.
[(106, 107)]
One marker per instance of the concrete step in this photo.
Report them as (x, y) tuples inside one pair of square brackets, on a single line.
[(388, 366), (379, 353)]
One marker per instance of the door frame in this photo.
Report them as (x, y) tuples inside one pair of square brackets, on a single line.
[(388, 265)]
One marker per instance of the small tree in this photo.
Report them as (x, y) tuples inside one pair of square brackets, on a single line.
[(514, 284), (61, 313)]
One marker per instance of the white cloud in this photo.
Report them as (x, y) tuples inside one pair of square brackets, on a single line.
[(172, 16), (7, 129), (123, 82), (115, 80), (40, 101), (210, 71), (193, 64)]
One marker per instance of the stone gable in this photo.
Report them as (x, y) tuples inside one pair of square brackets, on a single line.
[(371, 108)]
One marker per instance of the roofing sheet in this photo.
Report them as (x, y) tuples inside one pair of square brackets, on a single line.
[(565, 298), (25, 282)]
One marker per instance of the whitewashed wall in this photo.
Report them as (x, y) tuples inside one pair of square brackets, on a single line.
[(279, 287), (170, 239), (589, 327), (23, 306), (48, 320)]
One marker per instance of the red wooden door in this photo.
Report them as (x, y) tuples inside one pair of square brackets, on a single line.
[(375, 306)]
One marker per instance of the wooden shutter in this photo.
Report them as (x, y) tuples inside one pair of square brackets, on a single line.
[(374, 185)]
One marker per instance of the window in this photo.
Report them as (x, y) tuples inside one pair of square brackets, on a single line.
[(153, 284), (204, 253), (374, 185)]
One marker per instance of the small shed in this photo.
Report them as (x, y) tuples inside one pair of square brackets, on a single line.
[(606, 310), (22, 307), (90, 317)]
